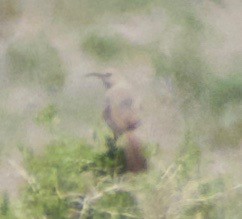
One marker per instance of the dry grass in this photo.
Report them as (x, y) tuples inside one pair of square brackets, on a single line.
[(181, 57)]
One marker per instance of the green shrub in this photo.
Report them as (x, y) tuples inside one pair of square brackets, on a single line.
[(61, 180), (123, 206), (225, 91), (4, 208), (47, 116), (222, 105), (186, 64), (188, 158), (6, 211), (105, 48), (182, 191), (73, 179), (36, 62), (224, 126)]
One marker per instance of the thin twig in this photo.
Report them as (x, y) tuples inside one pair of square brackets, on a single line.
[(90, 200), (22, 172)]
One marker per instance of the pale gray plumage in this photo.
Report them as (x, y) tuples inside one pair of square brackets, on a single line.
[(121, 110), (121, 113)]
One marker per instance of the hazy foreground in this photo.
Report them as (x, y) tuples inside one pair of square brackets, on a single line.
[(183, 58)]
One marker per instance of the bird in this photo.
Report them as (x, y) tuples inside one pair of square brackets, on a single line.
[(121, 113), (121, 109)]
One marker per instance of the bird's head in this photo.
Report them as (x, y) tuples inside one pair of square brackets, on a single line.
[(108, 79)]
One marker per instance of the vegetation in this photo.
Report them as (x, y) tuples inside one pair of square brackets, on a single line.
[(84, 181), (81, 180), (80, 171), (35, 61), (9, 9), (5, 208), (104, 48)]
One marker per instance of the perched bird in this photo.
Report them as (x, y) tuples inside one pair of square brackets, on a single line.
[(121, 113), (121, 109)]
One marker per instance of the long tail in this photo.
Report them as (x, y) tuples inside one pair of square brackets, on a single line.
[(135, 160)]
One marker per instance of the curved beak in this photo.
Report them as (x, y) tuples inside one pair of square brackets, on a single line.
[(94, 74)]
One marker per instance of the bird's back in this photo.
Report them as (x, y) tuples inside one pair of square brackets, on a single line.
[(122, 113)]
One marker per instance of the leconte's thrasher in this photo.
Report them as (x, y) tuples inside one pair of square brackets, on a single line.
[(121, 115)]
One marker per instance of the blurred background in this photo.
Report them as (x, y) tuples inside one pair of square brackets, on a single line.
[(183, 58)]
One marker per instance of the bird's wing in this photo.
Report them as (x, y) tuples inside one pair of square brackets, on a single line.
[(124, 112)]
